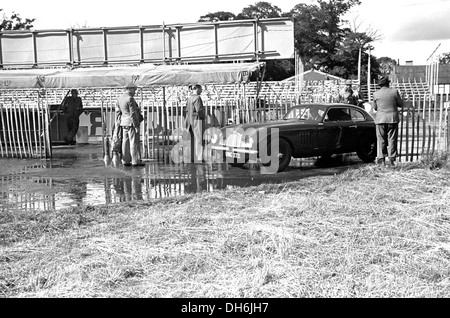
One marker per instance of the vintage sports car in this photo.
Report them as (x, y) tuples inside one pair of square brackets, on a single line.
[(306, 130)]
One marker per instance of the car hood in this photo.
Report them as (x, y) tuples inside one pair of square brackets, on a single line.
[(280, 124)]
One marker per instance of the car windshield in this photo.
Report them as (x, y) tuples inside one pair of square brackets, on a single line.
[(306, 112)]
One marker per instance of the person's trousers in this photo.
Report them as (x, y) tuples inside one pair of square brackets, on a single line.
[(131, 148), (387, 136), (196, 138), (72, 125)]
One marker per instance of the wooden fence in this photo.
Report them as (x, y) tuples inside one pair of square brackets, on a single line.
[(424, 127), (24, 128), (25, 116)]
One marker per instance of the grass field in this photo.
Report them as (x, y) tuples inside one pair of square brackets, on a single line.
[(370, 232)]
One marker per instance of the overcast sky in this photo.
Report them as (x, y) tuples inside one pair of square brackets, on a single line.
[(409, 29)]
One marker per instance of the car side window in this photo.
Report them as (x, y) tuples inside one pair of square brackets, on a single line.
[(357, 115), (338, 114)]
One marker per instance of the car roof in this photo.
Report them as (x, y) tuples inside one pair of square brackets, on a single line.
[(329, 105), (325, 104)]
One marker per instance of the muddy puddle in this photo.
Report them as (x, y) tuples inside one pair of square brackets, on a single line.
[(78, 176)]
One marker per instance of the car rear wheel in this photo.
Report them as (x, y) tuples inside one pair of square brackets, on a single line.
[(367, 148), (283, 156)]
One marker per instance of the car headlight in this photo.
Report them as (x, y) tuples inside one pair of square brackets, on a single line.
[(248, 141), (214, 138), (213, 135)]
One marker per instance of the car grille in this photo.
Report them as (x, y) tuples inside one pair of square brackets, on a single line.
[(234, 140)]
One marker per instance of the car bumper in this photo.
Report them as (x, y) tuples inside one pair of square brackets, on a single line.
[(235, 153), (234, 149)]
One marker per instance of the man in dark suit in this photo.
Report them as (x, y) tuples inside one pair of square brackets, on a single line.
[(386, 103)]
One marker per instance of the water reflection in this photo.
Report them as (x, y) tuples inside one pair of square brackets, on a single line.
[(173, 181), (22, 190), (77, 181)]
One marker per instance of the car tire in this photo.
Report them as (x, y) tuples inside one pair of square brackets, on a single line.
[(367, 148), (284, 155)]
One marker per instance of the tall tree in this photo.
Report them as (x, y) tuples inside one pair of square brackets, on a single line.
[(358, 43), (387, 65), (15, 22), (444, 58), (217, 16), (345, 60), (319, 31), (260, 10)]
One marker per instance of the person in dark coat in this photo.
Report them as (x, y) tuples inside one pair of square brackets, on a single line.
[(72, 109), (386, 103)]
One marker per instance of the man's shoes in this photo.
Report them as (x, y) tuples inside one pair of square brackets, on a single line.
[(127, 164), (140, 164), (390, 163), (379, 161)]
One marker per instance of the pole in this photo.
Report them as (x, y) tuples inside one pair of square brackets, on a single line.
[(369, 98), (359, 66)]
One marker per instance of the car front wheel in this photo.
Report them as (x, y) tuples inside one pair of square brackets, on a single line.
[(367, 148), (283, 155)]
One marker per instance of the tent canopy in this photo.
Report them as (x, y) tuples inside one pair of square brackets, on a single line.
[(314, 75), (23, 79), (145, 75)]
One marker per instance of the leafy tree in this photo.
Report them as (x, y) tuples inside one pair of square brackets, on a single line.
[(444, 58), (260, 10), (277, 70), (319, 32), (15, 22), (387, 65), (217, 16)]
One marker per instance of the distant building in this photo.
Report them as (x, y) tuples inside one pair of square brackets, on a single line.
[(418, 73)]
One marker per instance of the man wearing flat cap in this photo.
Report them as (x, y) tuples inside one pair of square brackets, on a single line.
[(386, 103), (130, 118)]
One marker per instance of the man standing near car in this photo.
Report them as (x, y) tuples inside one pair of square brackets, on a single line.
[(130, 120), (386, 102)]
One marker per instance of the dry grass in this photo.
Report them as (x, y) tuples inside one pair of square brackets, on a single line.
[(370, 232)]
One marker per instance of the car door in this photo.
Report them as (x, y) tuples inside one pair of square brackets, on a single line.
[(339, 132)]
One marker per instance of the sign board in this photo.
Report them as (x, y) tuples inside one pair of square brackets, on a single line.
[(223, 41)]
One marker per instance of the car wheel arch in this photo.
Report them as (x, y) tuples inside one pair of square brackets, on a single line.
[(284, 163)]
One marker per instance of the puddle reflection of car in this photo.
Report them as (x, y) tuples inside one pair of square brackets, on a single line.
[(306, 130)]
